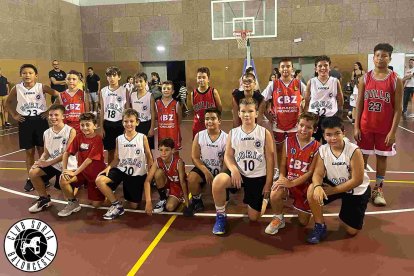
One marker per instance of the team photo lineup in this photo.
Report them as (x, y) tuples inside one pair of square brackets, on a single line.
[(287, 141)]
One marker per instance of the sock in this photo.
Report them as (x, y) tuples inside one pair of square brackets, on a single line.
[(280, 216), (379, 182), (221, 209), (197, 197), (163, 193), (115, 203)]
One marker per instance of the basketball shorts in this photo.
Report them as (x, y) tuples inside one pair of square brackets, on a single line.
[(299, 196), (280, 137), (133, 186), (112, 131), (31, 132), (94, 193), (374, 143), (144, 128)]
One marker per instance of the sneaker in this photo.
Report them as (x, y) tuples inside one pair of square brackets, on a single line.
[(195, 206), (318, 233), (220, 225), (411, 115), (7, 124), (377, 197), (275, 225), (71, 207), (276, 176), (160, 206), (114, 212), (40, 204), (28, 187)]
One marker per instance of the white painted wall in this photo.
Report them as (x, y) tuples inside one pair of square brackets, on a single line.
[(112, 2), (159, 67)]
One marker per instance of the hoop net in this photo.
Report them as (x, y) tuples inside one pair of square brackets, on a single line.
[(242, 37)]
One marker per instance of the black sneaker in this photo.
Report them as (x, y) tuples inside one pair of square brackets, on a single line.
[(45, 179), (7, 124), (28, 187), (195, 206), (40, 204), (57, 185)]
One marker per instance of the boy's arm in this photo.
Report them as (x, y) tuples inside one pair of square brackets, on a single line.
[(340, 97), (153, 117), (179, 113), (397, 113), (283, 162), (147, 189), (307, 96), (235, 112), (270, 163), (148, 154), (65, 158), (83, 166), (86, 100), (56, 82), (114, 162), (306, 176), (9, 102), (230, 162), (262, 108), (99, 87), (59, 158), (319, 172), (217, 99), (183, 181), (195, 156), (101, 115), (50, 91)]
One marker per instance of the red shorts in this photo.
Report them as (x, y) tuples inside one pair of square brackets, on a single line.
[(175, 190), (300, 201), (374, 143), (197, 127), (280, 137), (75, 125), (94, 193)]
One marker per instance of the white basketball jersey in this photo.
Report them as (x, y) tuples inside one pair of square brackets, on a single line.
[(132, 159), (338, 170), (30, 102), (114, 103), (56, 144), (249, 151), (323, 97), (142, 106), (212, 152)]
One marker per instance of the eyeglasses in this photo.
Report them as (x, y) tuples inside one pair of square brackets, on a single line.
[(55, 64)]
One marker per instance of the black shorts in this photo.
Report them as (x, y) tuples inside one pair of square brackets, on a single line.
[(201, 174), (144, 128), (133, 186), (50, 172), (31, 132), (318, 134), (112, 131), (352, 208), (253, 190)]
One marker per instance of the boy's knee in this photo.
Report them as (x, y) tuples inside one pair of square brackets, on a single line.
[(170, 207), (304, 219), (276, 195), (100, 181), (34, 173), (96, 204)]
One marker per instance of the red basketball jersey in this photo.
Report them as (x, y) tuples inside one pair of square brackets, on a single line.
[(379, 102), (170, 170), (298, 160), (74, 107), (168, 125), (286, 101), (201, 101)]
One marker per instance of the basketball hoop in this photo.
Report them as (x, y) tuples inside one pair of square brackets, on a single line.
[(242, 37)]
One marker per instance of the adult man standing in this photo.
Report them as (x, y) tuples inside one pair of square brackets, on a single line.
[(57, 78), (4, 92), (408, 81), (93, 83), (335, 73)]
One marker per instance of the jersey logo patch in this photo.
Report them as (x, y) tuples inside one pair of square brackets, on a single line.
[(84, 146), (258, 144), (37, 97), (138, 151), (119, 99), (144, 107), (64, 141), (293, 151)]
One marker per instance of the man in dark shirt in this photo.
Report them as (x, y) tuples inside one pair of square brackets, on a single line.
[(4, 92), (57, 78), (93, 83), (335, 73)]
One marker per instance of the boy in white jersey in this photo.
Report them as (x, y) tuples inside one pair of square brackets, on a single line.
[(207, 154), (132, 153), (31, 114), (249, 157), (323, 94), (339, 173), (113, 100), (144, 103), (56, 140)]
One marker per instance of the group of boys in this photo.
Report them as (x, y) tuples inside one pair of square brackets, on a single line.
[(311, 173)]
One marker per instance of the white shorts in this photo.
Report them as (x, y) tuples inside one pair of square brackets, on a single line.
[(93, 96)]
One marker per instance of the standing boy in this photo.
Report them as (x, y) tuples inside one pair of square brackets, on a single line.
[(4, 92), (203, 97), (31, 114), (249, 158), (132, 155), (378, 115)]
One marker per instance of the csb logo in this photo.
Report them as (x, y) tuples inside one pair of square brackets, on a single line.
[(30, 245)]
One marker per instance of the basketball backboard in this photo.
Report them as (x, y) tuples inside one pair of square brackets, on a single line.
[(257, 16)]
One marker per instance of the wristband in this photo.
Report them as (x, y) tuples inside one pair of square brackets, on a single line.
[(320, 185)]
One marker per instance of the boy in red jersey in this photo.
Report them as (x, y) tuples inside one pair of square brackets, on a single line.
[(169, 115), (169, 173), (74, 101), (378, 115), (296, 171), (89, 149), (285, 96), (203, 97)]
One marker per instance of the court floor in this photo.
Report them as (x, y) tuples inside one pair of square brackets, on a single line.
[(174, 245)]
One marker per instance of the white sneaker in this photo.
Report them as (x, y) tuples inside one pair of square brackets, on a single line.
[(160, 206), (377, 197), (276, 176), (275, 225), (71, 207)]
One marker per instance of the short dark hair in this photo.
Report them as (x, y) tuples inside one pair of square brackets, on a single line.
[(249, 70), (130, 112), (286, 59), (168, 82), (74, 72), (249, 74), (57, 107), (204, 70), (27, 65), (141, 75), (332, 122), (167, 142), (386, 47), (112, 71), (322, 58), (213, 110), (129, 77), (411, 59), (248, 101), (88, 116), (297, 72), (309, 116), (90, 67)]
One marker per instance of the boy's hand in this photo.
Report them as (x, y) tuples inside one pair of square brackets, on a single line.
[(18, 118), (42, 163), (236, 179), (329, 190), (209, 178), (390, 139), (357, 134), (151, 133), (44, 115), (148, 208), (319, 195), (68, 173), (266, 191), (282, 182), (105, 172)]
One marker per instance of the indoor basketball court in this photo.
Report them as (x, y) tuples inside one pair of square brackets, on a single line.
[(231, 36)]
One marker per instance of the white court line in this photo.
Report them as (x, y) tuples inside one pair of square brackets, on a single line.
[(192, 120), (7, 154), (370, 169), (203, 214), (409, 130), (8, 134)]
